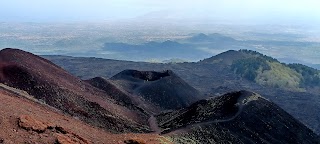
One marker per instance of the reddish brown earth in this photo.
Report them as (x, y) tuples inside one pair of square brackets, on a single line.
[(26, 120), (57, 88)]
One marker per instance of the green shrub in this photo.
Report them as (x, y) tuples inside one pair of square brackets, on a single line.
[(310, 76), (248, 68)]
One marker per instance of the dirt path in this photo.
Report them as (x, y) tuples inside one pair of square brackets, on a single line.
[(154, 125), (241, 102)]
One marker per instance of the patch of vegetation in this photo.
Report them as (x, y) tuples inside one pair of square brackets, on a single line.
[(310, 76), (248, 68), (165, 140), (279, 76), (257, 54), (268, 71)]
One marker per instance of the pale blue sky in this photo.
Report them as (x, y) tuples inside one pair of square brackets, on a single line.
[(100, 10)]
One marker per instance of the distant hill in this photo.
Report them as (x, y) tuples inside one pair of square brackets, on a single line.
[(175, 60), (191, 49), (225, 58), (154, 50), (268, 71), (215, 37), (238, 117), (230, 56), (164, 89)]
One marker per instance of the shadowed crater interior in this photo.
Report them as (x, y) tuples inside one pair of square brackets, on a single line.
[(147, 75)]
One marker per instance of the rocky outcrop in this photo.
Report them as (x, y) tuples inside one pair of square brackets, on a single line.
[(29, 123), (70, 139), (62, 135), (134, 141)]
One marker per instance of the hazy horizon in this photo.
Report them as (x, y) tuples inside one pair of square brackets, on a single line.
[(245, 11), (89, 25)]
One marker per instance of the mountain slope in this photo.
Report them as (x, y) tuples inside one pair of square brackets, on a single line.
[(122, 97), (260, 68), (24, 119), (56, 87), (238, 117), (226, 58), (164, 89), (310, 76)]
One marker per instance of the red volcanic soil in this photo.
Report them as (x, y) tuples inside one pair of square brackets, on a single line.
[(28, 121), (56, 87)]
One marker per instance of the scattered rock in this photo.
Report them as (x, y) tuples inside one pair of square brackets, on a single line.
[(6, 141), (70, 139), (61, 130), (30, 123), (63, 136), (134, 141)]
